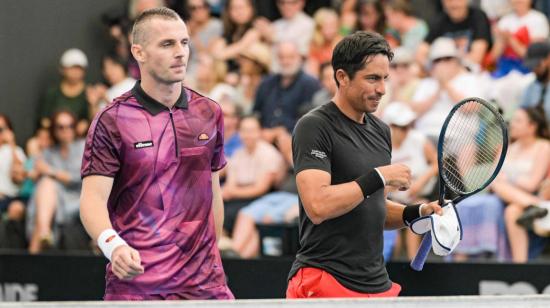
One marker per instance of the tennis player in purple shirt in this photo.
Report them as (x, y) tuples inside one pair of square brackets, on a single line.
[(151, 193)]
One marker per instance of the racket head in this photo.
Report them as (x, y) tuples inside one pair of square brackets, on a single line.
[(472, 147)]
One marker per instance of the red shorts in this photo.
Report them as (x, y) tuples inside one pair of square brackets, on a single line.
[(311, 282)]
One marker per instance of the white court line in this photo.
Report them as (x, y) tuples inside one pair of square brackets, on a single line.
[(503, 301)]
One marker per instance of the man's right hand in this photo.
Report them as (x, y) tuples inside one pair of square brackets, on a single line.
[(397, 176), (126, 262)]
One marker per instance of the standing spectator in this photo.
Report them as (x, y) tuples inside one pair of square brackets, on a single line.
[(448, 84), (252, 172), (280, 97), (468, 26), (56, 198), (294, 25), (203, 29), (537, 94), (513, 34), (411, 31), (325, 37)]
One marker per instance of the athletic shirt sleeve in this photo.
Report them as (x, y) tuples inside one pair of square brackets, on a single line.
[(218, 159), (101, 152), (311, 145)]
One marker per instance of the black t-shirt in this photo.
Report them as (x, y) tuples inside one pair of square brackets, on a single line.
[(476, 26), (349, 247)]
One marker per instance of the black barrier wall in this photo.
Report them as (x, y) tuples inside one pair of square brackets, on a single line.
[(63, 278)]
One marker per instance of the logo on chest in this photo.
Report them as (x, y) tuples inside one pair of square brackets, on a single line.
[(143, 144), (203, 137)]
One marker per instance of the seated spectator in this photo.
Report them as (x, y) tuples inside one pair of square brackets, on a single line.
[(536, 94), (325, 37), (524, 169), (71, 93), (526, 241), (468, 26), (513, 34), (403, 81), (231, 118), (10, 157), (253, 171), (115, 72), (326, 93), (410, 30), (413, 149), (448, 84), (203, 30), (238, 32), (254, 65), (281, 96), (276, 207), (210, 74), (367, 15), (56, 199), (293, 26)]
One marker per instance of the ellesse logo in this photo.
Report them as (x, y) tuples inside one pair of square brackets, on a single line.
[(143, 144), (110, 238), (203, 137)]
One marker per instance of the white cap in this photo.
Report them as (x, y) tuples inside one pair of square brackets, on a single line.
[(73, 57), (402, 55), (443, 47), (399, 114)]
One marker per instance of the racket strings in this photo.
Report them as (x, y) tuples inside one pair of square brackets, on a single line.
[(471, 147)]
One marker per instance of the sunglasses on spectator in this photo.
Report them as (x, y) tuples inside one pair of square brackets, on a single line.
[(443, 59), (399, 65), (287, 2), (62, 127)]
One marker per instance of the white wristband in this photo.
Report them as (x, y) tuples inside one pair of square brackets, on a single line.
[(108, 241)]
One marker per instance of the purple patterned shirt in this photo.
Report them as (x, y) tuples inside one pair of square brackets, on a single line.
[(161, 201)]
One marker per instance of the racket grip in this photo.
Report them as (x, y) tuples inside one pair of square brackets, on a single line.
[(418, 262)]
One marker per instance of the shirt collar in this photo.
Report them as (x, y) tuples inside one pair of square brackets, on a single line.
[(153, 106)]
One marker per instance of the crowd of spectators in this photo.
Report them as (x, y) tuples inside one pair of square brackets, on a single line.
[(266, 68)]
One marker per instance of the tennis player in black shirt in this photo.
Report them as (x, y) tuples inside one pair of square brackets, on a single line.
[(342, 161)]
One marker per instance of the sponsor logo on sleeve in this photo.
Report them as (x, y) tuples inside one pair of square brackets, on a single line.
[(319, 154)]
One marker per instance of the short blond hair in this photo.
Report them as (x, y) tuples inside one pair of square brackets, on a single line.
[(138, 31)]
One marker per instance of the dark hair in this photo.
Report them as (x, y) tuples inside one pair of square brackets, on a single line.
[(231, 31), (252, 117), (7, 120), (116, 59), (138, 33), (537, 116), (380, 26), (53, 121), (352, 53), (400, 6)]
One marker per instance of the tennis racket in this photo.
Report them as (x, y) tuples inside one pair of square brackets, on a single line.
[(471, 150)]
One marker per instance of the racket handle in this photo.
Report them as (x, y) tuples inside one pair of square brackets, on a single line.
[(422, 254)]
